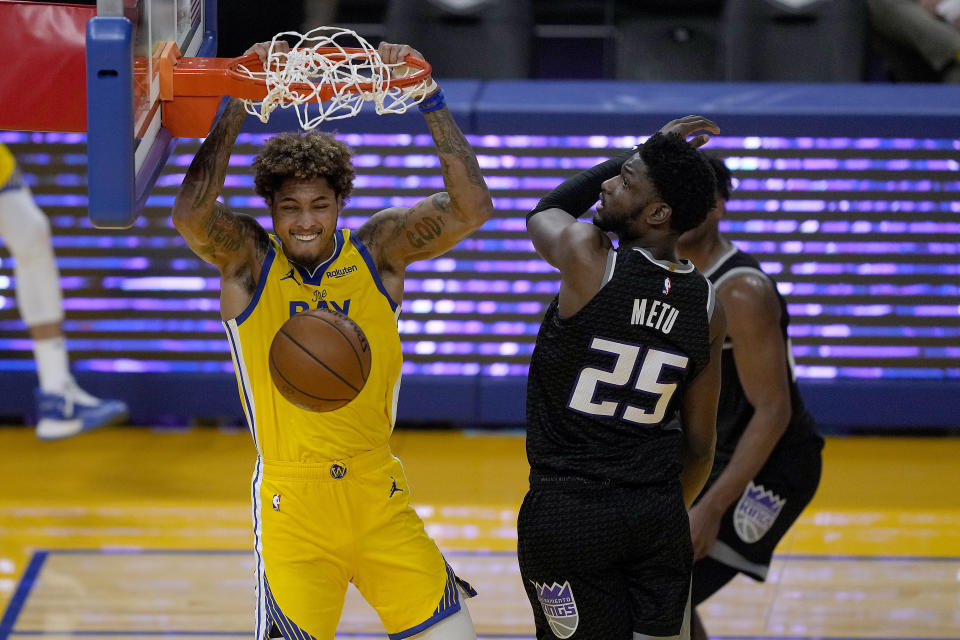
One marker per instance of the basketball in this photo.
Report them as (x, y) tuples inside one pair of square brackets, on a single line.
[(319, 360)]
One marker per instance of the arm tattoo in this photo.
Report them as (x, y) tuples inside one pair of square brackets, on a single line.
[(225, 231), (451, 141), (427, 229), (209, 166)]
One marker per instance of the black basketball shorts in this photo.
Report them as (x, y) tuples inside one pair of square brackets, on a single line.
[(605, 562), (753, 526)]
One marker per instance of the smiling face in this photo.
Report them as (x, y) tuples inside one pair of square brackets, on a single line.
[(625, 199), (305, 214)]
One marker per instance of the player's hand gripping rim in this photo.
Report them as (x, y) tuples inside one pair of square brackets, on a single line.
[(396, 54)]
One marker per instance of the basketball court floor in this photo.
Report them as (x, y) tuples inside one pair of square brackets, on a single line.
[(130, 533)]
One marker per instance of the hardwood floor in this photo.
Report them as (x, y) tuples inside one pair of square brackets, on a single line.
[(132, 533)]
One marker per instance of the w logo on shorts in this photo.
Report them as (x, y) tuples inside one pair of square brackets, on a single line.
[(559, 607), (756, 512)]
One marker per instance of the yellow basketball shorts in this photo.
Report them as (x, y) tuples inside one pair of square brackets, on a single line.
[(320, 526)]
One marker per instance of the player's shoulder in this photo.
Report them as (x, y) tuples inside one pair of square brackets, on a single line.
[(747, 281), (381, 225), (741, 273), (751, 294)]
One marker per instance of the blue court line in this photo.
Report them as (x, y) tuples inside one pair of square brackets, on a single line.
[(21, 594)]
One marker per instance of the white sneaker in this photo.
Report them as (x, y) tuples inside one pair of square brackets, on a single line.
[(61, 415)]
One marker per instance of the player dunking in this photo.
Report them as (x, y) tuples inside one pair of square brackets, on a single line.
[(331, 503), (633, 337), (767, 464), (63, 408)]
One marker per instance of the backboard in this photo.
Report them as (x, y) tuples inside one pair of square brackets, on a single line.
[(126, 144)]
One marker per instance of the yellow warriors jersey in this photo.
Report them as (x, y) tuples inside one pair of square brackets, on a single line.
[(7, 165), (349, 283)]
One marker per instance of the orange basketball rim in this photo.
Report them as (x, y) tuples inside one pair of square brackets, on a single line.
[(191, 88)]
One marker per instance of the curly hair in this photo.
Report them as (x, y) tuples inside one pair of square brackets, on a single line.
[(292, 155), (722, 173), (682, 176)]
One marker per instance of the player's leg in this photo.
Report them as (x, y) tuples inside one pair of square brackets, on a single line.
[(26, 231), (571, 548), (753, 526), (709, 576), (458, 626), (399, 570), (64, 409), (304, 535), (661, 564)]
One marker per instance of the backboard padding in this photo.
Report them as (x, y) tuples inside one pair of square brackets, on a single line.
[(43, 81)]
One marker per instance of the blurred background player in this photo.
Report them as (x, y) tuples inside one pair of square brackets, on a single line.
[(767, 463), (63, 408), (340, 502), (632, 338)]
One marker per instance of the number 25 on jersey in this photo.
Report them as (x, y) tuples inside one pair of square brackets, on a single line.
[(647, 381)]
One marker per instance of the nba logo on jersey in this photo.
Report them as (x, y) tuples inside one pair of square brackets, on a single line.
[(667, 285), (559, 607), (276, 502), (756, 512)]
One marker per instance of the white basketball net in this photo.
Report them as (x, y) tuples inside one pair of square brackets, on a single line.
[(304, 65)]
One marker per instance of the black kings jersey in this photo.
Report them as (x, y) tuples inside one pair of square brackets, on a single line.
[(734, 410), (604, 383)]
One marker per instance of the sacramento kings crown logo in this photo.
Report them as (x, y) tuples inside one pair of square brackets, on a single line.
[(559, 607), (756, 512)]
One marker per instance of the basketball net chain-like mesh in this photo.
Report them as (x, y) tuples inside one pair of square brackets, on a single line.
[(314, 71)]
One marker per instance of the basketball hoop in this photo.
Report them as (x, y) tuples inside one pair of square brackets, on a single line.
[(318, 77), (323, 80)]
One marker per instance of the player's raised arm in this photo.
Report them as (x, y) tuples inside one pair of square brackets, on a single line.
[(548, 222), (576, 248), (399, 236), (212, 231), (219, 236)]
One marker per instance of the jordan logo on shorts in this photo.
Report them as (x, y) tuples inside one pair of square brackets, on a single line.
[(756, 512), (559, 607), (394, 488)]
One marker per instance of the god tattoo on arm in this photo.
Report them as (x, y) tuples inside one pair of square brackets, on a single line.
[(427, 229)]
